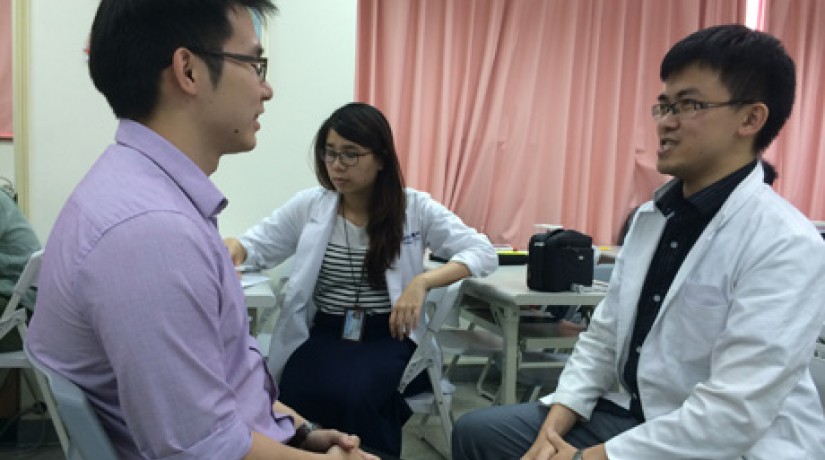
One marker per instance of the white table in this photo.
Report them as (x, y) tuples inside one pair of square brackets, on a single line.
[(505, 294)]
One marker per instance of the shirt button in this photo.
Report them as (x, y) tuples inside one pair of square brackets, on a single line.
[(657, 298), (634, 396), (674, 244), (638, 349)]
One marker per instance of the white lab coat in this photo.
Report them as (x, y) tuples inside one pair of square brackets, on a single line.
[(723, 373), (303, 227)]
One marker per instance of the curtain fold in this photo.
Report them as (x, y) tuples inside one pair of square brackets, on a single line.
[(513, 113), (799, 150)]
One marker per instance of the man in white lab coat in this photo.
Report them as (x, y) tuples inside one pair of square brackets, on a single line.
[(716, 298)]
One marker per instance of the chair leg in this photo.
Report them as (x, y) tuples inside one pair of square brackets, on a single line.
[(52, 408), (450, 366), (424, 419), (480, 383), (456, 357), (534, 394), (443, 406)]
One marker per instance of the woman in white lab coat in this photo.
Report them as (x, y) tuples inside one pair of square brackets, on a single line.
[(353, 302)]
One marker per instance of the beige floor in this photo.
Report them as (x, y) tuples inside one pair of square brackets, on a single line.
[(432, 447)]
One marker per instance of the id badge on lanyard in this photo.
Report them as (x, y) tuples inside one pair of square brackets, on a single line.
[(353, 324)]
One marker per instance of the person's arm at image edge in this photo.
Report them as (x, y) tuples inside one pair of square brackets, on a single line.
[(275, 238)]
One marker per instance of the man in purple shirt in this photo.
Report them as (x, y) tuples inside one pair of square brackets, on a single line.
[(139, 303)]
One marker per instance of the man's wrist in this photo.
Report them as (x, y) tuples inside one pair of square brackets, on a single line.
[(301, 434)]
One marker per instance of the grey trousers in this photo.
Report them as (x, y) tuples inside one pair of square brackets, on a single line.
[(507, 432)]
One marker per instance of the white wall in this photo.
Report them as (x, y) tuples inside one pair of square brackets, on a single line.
[(312, 67), (69, 122)]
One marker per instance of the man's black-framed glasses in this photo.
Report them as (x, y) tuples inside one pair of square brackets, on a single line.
[(258, 63), (349, 158), (689, 107)]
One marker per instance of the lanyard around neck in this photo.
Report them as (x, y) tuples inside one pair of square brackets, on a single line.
[(356, 284)]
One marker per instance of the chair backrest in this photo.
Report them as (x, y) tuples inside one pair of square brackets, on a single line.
[(28, 278), (602, 272), (427, 353), (87, 439), (427, 357)]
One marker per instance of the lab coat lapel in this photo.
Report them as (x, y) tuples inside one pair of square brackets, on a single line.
[(309, 253), (639, 252), (694, 258)]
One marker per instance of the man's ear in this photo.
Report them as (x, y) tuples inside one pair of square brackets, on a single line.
[(755, 116), (185, 70)]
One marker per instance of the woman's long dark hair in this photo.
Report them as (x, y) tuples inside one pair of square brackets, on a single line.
[(366, 126)]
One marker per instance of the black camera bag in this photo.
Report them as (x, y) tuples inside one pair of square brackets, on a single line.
[(558, 259)]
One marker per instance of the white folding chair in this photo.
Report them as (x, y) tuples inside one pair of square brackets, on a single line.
[(86, 438), (14, 318), (602, 272), (539, 370), (472, 342), (458, 343), (436, 343), (427, 357)]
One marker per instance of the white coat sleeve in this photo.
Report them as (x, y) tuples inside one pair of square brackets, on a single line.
[(591, 370), (275, 238), (449, 237)]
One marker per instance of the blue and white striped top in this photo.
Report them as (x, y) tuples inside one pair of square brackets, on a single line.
[(341, 280)]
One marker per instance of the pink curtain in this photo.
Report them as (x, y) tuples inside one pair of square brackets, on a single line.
[(799, 150), (513, 113), (5, 70)]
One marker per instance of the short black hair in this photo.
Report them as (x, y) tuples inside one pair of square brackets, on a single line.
[(770, 173), (132, 41), (752, 65)]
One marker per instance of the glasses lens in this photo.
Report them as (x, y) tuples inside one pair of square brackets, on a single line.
[(260, 68), (659, 110), (345, 158), (686, 107)]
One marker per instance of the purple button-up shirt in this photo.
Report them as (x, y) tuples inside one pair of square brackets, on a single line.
[(139, 304)]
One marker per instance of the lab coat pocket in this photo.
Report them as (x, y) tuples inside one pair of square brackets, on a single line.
[(701, 311)]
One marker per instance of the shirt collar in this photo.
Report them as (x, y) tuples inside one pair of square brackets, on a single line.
[(207, 199), (706, 201)]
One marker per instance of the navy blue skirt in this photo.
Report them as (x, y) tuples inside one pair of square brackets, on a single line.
[(352, 386)]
